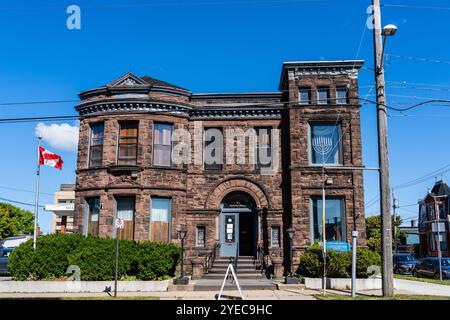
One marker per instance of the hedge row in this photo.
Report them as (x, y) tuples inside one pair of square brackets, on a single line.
[(94, 256), (339, 264)]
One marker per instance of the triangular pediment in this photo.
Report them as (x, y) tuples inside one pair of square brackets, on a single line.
[(128, 80)]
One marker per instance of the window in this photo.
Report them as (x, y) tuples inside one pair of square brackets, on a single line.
[(325, 143), (160, 220), (430, 212), (322, 95), (96, 145), (162, 145), (92, 216), (304, 96), (433, 239), (125, 211), (334, 220), (275, 236), (442, 213), (341, 95), (128, 138), (200, 236), (213, 151), (263, 148)]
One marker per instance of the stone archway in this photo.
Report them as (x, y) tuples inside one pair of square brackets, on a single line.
[(236, 184)]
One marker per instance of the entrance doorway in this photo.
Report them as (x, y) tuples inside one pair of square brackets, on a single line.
[(238, 225)]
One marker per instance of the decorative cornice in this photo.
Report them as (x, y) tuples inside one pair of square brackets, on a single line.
[(237, 113)]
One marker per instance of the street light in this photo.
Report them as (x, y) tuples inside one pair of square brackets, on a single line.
[(290, 279), (388, 31), (182, 279), (383, 154)]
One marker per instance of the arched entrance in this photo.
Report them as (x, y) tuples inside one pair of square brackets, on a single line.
[(238, 225)]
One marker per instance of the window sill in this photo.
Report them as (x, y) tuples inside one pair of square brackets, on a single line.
[(124, 168)]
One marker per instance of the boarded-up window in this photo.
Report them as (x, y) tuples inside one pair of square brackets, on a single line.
[(160, 220), (125, 211), (93, 214), (200, 236), (128, 138), (162, 145)]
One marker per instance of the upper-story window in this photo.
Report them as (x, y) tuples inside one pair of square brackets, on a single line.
[(325, 143), (323, 95), (304, 96), (162, 145), (341, 95), (96, 145), (213, 151), (128, 139), (263, 150)]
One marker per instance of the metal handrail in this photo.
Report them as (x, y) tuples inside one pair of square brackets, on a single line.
[(260, 261), (211, 257)]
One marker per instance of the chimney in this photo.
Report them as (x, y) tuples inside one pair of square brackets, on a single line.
[(413, 223)]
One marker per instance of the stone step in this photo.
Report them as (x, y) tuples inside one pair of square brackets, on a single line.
[(239, 266), (240, 276), (246, 284), (239, 270)]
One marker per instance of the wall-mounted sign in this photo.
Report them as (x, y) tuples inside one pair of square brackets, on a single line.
[(229, 229)]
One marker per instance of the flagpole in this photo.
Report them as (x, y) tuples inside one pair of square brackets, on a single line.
[(36, 203)]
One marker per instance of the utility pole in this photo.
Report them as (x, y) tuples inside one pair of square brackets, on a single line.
[(438, 239), (383, 157), (394, 207)]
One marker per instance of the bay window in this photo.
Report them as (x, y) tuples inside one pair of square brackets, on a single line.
[(334, 220), (162, 144), (325, 143), (128, 139), (96, 145)]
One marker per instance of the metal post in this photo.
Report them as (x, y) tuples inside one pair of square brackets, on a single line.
[(394, 207), (354, 237), (36, 200), (182, 258), (117, 262), (438, 242), (383, 158), (324, 240), (291, 256)]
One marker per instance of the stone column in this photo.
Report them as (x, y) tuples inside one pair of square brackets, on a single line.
[(277, 263), (197, 268)]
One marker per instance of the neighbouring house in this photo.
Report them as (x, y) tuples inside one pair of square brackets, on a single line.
[(252, 162), (410, 242), (63, 209), (434, 221)]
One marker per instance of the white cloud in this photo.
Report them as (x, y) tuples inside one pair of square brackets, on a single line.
[(59, 136)]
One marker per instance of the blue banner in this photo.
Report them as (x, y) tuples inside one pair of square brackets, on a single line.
[(341, 246)]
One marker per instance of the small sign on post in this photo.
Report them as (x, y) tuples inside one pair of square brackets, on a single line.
[(119, 225)]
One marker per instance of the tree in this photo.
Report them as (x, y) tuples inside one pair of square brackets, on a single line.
[(14, 221), (373, 231)]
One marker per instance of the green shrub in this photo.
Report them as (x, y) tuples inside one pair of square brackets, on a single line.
[(339, 264), (94, 256)]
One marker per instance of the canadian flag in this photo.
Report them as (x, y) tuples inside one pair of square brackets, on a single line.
[(48, 158)]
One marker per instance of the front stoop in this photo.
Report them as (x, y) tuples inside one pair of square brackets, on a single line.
[(249, 278)]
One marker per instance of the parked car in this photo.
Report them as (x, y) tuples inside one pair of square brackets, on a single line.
[(13, 242), (429, 267), (4, 254), (403, 263)]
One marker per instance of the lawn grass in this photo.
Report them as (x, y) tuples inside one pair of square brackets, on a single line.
[(395, 297), (401, 276), (82, 298)]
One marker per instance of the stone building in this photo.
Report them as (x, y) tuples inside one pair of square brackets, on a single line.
[(434, 221), (310, 128)]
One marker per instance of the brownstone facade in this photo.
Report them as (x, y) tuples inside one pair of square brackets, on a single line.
[(279, 199)]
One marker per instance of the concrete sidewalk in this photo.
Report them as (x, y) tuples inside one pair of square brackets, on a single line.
[(288, 294)]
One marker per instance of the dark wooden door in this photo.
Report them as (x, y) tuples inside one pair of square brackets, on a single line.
[(247, 240)]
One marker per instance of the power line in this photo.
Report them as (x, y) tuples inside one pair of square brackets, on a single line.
[(24, 190), (168, 4), (389, 55), (20, 202), (37, 102), (392, 5)]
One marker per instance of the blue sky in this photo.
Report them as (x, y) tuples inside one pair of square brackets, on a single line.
[(219, 46)]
